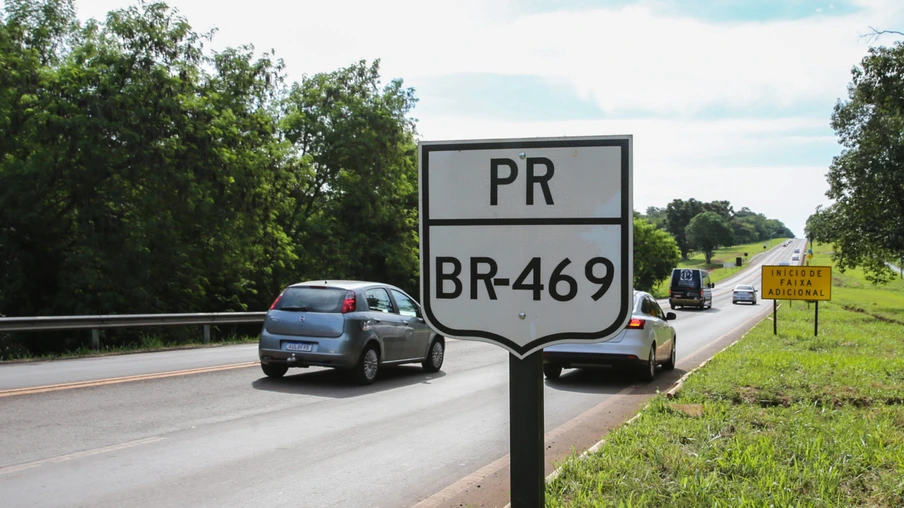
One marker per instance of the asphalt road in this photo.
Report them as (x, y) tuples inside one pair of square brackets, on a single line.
[(232, 437)]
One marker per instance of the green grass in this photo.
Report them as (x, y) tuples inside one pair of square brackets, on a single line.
[(776, 420), (883, 302), (720, 256)]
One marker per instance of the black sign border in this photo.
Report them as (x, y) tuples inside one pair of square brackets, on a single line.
[(625, 221)]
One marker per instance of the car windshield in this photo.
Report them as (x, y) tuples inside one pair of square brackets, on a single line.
[(744, 288), (311, 299)]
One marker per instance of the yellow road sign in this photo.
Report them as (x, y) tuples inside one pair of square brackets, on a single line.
[(796, 282)]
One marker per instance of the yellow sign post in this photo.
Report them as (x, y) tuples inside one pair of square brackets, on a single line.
[(811, 283)]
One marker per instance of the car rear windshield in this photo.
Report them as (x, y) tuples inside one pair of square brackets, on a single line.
[(685, 279), (312, 299)]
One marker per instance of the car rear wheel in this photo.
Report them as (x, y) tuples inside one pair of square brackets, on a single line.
[(434, 360), (552, 371), (368, 365), (673, 357), (647, 371), (273, 370)]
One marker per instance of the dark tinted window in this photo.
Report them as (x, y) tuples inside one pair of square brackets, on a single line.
[(378, 300), (657, 310), (685, 278), (311, 299), (645, 306)]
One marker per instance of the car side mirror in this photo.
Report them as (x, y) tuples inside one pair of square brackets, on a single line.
[(670, 316), (711, 285)]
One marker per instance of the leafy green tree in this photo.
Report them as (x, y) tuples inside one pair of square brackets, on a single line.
[(656, 216), (33, 36), (139, 174), (866, 180), (723, 208), (750, 226), (355, 214), (134, 180), (679, 214), (744, 231), (655, 254), (818, 227), (707, 231)]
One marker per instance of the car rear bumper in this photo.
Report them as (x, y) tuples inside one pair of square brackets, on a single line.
[(699, 300), (325, 352), (629, 352)]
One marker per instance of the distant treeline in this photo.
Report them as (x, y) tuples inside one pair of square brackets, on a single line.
[(743, 226)]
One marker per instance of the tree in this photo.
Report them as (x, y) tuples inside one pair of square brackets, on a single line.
[(655, 254), (866, 223), (723, 208), (679, 214), (355, 215), (818, 225), (139, 174), (657, 217), (707, 231), (136, 180)]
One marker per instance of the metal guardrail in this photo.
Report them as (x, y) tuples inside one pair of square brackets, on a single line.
[(96, 322)]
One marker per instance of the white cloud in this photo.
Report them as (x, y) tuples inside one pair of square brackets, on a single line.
[(626, 59)]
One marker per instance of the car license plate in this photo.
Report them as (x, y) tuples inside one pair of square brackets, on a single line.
[(292, 346)]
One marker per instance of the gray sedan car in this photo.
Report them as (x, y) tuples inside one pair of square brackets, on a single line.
[(355, 326), (743, 293), (649, 340)]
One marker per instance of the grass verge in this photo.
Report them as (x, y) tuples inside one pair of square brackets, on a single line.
[(777, 420)]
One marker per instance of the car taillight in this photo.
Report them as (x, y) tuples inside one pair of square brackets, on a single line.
[(349, 304), (275, 301), (636, 324)]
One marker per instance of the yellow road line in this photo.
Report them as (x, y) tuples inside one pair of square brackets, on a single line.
[(117, 380), (77, 455)]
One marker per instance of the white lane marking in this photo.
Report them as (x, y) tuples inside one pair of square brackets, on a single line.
[(78, 455)]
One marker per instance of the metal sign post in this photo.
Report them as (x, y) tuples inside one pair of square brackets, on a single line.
[(774, 317), (527, 432), (816, 321), (526, 243)]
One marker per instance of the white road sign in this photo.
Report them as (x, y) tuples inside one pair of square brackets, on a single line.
[(527, 243)]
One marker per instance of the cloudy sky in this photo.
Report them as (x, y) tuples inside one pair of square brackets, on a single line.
[(726, 99)]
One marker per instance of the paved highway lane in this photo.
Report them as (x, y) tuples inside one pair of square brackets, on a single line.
[(33, 374), (74, 370), (235, 438)]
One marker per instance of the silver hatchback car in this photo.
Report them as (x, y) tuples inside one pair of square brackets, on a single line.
[(350, 325)]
